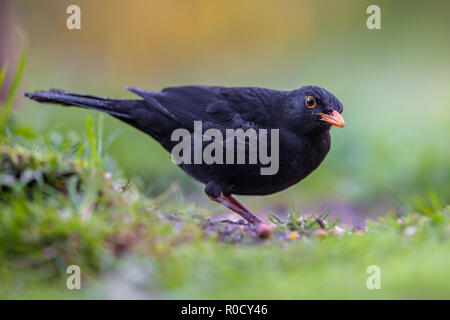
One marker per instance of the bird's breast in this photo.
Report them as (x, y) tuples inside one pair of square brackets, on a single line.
[(297, 159)]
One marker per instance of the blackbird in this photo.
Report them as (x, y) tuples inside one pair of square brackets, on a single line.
[(301, 117)]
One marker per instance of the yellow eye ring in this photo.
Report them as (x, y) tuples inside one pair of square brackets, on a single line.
[(310, 102)]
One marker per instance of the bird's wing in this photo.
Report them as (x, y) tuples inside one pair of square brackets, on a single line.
[(222, 107)]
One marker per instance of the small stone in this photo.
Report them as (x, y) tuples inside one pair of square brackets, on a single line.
[(320, 233), (410, 231), (338, 231), (263, 230)]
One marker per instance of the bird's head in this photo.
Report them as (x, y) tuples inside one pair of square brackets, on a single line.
[(313, 108)]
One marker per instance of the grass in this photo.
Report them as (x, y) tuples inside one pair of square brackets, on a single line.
[(64, 201), (116, 235)]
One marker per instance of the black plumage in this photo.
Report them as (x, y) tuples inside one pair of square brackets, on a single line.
[(303, 118)]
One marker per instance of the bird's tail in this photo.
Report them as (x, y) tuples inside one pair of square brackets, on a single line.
[(114, 107)]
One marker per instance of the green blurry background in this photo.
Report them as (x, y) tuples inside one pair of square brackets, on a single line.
[(394, 84)]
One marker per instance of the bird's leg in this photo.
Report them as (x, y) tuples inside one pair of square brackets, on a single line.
[(233, 204), (235, 201)]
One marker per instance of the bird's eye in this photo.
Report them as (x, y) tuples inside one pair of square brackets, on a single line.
[(310, 102)]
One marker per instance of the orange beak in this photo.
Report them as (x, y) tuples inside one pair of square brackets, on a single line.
[(334, 119)]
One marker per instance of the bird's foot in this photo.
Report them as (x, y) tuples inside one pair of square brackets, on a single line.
[(262, 230)]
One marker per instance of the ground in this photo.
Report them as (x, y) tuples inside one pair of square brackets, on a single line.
[(60, 209)]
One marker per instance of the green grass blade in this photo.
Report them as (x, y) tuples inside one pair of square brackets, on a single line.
[(101, 120), (6, 110), (17, 78), (92, 141), (2, 75)]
